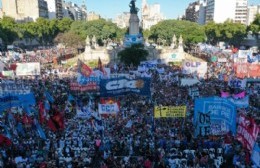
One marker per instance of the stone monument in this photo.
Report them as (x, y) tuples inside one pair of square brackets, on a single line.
[(173, 44), (87, 47), (134, 36), (180, 46)]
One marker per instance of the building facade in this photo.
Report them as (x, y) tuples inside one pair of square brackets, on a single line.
[(74, 11), (241, 11), (25, 10), (122, 20), (191, 13), (93, 16), (55, 9), (251, 13), (218, 12), (150, 15)]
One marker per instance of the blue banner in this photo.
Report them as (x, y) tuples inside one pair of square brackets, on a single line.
[(82, 80), (240, 103), (15, 100), (214, 116), (121, 86)]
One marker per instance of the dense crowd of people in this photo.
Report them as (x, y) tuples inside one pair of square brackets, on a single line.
[(133, 138)]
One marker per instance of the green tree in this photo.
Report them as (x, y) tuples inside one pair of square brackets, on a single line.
[(70, 39), (191, 32), (64, 24), (9, 27), (133, 55), (254, 27)]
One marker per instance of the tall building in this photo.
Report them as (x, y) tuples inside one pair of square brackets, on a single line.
[(241, 11), (191, 12), (151, 15), (25, 10), (196, 12), (54, 9), (122, 20), (74, 11), (251, 13), (93, 16), (220, 10)]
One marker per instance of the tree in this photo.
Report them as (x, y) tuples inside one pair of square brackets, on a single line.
[(8, 27), (133, 55), (70, 39), (191, 32), (229, 32), (254, 27), (64, 24)]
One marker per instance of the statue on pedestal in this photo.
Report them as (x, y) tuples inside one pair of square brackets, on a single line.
[(174, 40), (180, 47), (94, 41), (133, 8), (87, 41)]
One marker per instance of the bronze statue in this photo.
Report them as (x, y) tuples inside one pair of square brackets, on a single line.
[(133, 9)]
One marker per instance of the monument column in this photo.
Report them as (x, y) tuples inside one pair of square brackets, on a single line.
[(134, 24)]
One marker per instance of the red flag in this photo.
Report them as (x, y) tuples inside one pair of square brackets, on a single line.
[(100, 66), (41, 112), (51, 125), (5, 141), (84, 69), (27, 120), (59, 120)]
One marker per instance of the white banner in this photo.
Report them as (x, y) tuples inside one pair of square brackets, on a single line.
[(237, 83), (199, 68), (189, 81), (24, 69), (108, 108), (244, 53), (222, 59)]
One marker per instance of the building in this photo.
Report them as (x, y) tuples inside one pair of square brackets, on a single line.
[(74, 11), (218, 12), (241, 11), (251, 13), (25, 10), (191, 13), (93, 16), (122, 20), (151, 15), (55, 9)]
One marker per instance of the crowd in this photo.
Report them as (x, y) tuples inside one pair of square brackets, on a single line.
[(131, 139)]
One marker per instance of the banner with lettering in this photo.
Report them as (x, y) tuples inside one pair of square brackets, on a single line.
[(91, 86), (237, 83), (15, 100), (108, 108), (194, 92), (83, 80), (240, 103), (214, 116), (199, 68), (7, 88), (247, 70), (169, 111), (121, 86), (24, 69), (247, 131)]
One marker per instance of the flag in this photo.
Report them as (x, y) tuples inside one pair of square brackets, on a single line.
[(240, 95), (40, 131), (58, 119), (20, 129), (42, 113), (51, 125), (49, 96), (100, 66), (70, 98), (224, 94), (5, 141), (84, 69)]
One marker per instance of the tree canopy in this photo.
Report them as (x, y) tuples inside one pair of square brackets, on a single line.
[(133, 55), (191, 32)]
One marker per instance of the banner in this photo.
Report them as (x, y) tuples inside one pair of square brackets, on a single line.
[(247, 131), (255, 156), (199, 68), (194, 92), (15, 100), (247, 70), (91, 86), (240, 103), (214, 116), (189, 81), (24, 69), (83, 69), (237, 83), (14, 88), (121, 86), (244, 53), (169, 111), (82, 80), (108, 108)]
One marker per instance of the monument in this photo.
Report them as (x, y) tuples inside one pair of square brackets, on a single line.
[(134, 36)]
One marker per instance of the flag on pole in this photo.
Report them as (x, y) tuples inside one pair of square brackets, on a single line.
[(100, 66), (84, 69)]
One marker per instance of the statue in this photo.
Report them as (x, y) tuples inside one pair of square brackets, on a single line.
[(180, 40), (87, 41), (173, 41), (133, 9)]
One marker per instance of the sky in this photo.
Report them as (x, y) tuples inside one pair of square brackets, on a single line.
[(111, 8)]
